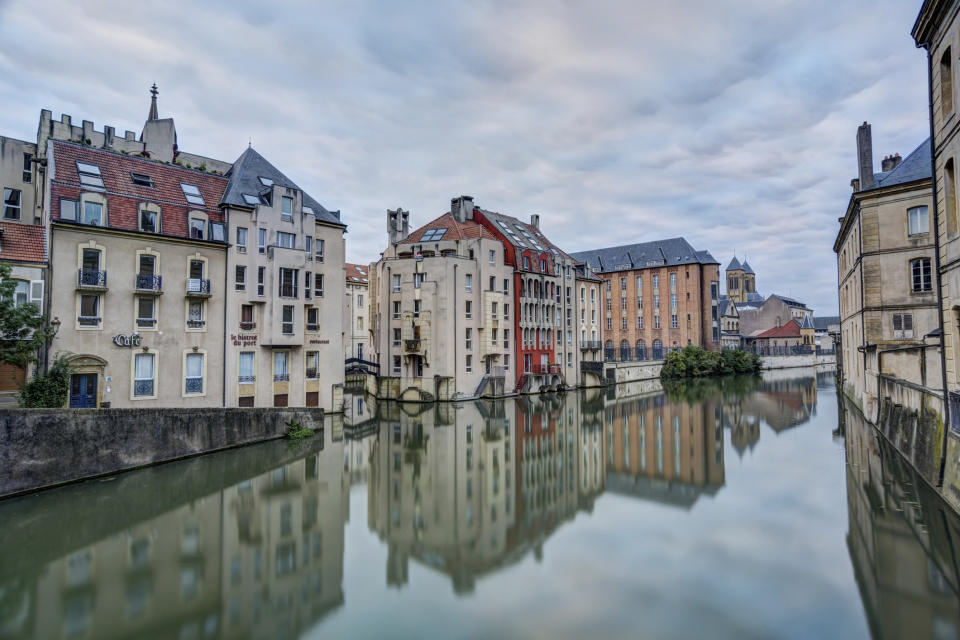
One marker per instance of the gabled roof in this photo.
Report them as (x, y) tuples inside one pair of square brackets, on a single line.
[(658, 253), (455, 230), (245, 177), (524, 236), (915, 166), (807, 323), (357, 273), (788, 330), (725, 305), (734, 265), (22, 243), (747, 268), (822, 323)]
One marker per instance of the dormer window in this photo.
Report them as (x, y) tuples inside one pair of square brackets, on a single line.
[(251, 200), (90, 175), (141, 179), (196, 228), (267, 182), (192, 194)]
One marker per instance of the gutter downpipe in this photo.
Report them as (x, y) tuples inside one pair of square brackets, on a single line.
[(226, 290)]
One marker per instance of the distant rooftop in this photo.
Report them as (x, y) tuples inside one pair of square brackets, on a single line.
[(670, 252)]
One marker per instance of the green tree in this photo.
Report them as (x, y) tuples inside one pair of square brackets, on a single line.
[(23, 330), (48, 390)]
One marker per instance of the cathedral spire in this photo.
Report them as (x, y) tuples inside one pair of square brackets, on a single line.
[(153, 103)]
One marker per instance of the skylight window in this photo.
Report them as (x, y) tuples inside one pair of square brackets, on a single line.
[(191, 193), (249, 199), (141, 179), (267, 182), (90, 175), (433, 234)]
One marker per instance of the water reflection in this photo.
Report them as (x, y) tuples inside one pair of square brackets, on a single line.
[(251, 543)]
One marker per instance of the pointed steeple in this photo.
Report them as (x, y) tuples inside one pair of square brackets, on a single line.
[(734, 265), (153, 103)]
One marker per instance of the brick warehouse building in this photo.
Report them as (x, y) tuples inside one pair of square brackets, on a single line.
[(658, 295)]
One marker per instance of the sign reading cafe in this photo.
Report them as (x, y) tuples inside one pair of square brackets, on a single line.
[(130, 341)]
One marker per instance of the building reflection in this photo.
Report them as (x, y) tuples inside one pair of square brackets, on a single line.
[(251, 559), (903, 540)]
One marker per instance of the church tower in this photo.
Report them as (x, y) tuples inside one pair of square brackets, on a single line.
[(749, 280), (736, 281)]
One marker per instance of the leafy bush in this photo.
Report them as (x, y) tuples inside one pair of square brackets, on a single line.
[(48, 390), (296, 430), (696, 362)]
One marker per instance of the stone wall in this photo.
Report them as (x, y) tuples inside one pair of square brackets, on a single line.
[(911, 417), (42, 448)]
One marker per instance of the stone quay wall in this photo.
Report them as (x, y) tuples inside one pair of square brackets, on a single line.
[(42, 448)]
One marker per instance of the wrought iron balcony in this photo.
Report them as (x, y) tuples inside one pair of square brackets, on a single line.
[(198, 288), (194, 385), (281, 377), (545, 368), (313, 326), (411, 345), (92, 279), (246, 379), (248, 326), (143, 387), (146, 322), (148, 283), (590, 345), (311, 374), (196, 324), (88, 321)]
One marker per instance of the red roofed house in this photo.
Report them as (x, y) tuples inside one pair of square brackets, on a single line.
[(779, 340), (443, 327)]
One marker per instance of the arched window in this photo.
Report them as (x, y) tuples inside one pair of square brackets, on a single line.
[(641, 350), (657, 349), (608, 350), (624, 350)]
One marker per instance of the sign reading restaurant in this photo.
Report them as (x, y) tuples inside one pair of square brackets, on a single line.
[(244, 339), (130, 341)]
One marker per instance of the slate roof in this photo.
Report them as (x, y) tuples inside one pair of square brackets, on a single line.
[(754, 297), (500, 219), (822, 323), (789, 301), (747, 268), (670, 252), (734, 265), (22, 243), (915, 166), (245, 177), (455, 230), (788, 330), (807, 323), (357, 273), (724, 305)]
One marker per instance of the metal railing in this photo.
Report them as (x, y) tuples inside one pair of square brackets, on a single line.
[(411, 345), (248, 326), (194, 385), (246, 379), (198, 286), (545, 368), (629, 354), (91, 278), (148, 283), (595, 367), (591, 345), (281, 377), (796, 350)]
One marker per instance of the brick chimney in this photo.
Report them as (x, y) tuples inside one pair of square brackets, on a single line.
[(865, 155), (890, 162), (462, 208), (535, 220), (398, 225)]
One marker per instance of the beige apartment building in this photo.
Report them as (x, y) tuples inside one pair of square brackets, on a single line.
[(937, 30), (284, 316), (885, 257), (356, 307), (588, 289), (443, 310)]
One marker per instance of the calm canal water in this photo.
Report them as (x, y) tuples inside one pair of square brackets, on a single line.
[(745, 508)]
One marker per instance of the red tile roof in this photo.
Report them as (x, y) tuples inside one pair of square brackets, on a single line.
[(789, 330), (455, 230), (357, 273), (22, 243), (123, 196)]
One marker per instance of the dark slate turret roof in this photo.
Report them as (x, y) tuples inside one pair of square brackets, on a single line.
[(658, 253), (915, 166), (245, 177), (807, 323), (734, 265), (747, 268)]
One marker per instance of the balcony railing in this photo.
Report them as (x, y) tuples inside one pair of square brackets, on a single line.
[(196, 324), (194, 385), (88, 321), (595, 367), (411, 345), (313, 326), (248, 326), (146, 322), (545, 368), (198, 287), (148, 283), (590, 345), (246, 379), (281, 377), (91, 279), (796, 350), (311, 374)]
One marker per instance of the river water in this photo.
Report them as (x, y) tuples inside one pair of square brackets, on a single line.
[(739, 508)]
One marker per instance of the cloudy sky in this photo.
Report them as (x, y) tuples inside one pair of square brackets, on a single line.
[(730, 123)]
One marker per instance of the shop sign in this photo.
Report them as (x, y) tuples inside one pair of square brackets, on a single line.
[(244, 339), (324, 341), (130, 341)]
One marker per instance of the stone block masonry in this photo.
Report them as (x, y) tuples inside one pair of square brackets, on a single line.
[(42, 448)]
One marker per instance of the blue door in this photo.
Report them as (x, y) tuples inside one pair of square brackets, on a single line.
[(83, 391)]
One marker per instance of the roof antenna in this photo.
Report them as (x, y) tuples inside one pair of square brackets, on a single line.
[(249, 142)]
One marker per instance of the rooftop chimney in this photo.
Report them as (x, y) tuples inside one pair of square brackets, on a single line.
[(398, 225), (535, 220), (865, 155), (462, 208), (890, 162)]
